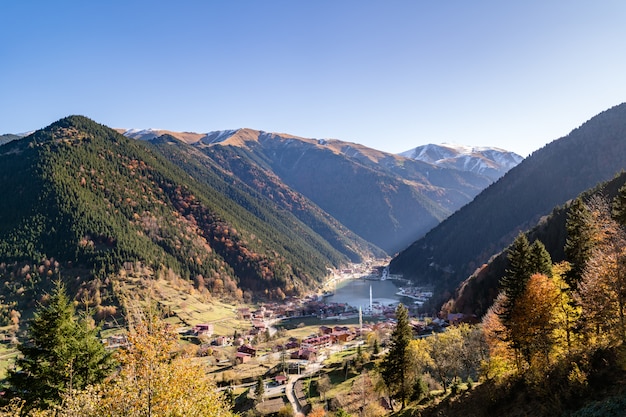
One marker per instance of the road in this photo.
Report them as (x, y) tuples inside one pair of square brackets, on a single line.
[(291, 395)]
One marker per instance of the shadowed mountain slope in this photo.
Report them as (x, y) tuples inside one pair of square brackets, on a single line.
[(385, 199), (561, 170)]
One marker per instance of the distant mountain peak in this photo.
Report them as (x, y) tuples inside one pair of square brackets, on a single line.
[(490, 161)]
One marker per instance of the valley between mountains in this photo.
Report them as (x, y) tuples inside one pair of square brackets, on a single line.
[(232, 235)]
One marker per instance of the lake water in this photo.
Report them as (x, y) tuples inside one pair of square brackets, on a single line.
[(356, 292)]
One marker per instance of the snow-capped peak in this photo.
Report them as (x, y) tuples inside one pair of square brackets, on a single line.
[(489, 161), (144, 134)]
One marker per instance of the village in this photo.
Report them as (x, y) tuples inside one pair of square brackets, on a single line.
[(283, 342)]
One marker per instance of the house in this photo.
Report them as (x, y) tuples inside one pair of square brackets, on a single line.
[(344, 336), (245, 313), (292, 344), (455, 318), (325, 330), (221, 341), (320, 341), (308, 354), (247, 349), (116, 341), (259, 324), (203, 329), (280, 379), (241, 357)]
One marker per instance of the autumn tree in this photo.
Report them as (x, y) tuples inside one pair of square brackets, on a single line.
[(324, 385), (62, 353), (445, 350), (602, 291), (155, 379), (394, 365), (532, 325), (501, 360), (474, 351), (568, 312)]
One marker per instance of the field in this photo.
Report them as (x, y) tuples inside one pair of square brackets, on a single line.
[(187, 307)]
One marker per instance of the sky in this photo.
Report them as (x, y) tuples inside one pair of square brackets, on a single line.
[(391, 75)]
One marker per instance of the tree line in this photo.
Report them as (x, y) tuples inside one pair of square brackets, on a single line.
[(550, 321)]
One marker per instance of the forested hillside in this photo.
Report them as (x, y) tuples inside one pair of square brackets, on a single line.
[(386, 199), (561, 170), (477, 293), (263, 194), (83, 201)]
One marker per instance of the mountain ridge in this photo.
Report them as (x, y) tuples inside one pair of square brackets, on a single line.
[(550, 176), (98, 206), (321, 169), (491, 161)]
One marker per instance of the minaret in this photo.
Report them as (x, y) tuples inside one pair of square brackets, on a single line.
[(371, 307), (360, 320)]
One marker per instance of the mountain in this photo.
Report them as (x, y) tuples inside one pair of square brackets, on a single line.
[(492, 162), (8, 138), (263, 194), (477, 292), (549, 177), (86, 203), (388, 200)]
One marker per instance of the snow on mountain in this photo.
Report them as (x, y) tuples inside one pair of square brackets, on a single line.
[(491, 162), (143, 134), (217, 136)]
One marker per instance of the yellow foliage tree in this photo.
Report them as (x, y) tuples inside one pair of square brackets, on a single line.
[(501, 360), (155, 380), (567, 313), (533, 320), (602, 291)]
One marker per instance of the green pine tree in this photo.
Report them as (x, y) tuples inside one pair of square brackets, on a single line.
[(259, 391), (540, 260), (519, 271), (619, 206), (394, 366), (62, 353), (579, 243)]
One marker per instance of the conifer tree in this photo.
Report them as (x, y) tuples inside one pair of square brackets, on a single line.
[(259, 391), (619, 206), (62, 354), (518, 273), (579, 243), (540, 260), (394, 366)]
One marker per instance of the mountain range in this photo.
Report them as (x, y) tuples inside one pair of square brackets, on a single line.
[(465, 241), (239, 214), (388, 200), (491, 162)]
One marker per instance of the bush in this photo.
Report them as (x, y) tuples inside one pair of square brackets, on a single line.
[(455, 388), (420, 389)]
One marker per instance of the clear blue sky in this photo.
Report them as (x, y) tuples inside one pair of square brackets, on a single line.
[(391, 75)]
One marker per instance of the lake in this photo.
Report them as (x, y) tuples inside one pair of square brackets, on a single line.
[(356, 292)]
